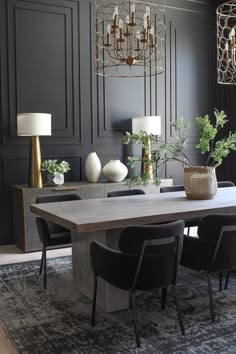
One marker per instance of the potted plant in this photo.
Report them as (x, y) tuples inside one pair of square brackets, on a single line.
[(55, 171), (200, 181)]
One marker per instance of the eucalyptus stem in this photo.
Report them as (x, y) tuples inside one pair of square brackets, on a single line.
[(183, 153), (183, 162), (209, 155)]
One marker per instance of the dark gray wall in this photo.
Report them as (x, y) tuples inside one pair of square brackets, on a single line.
[(46, 65)]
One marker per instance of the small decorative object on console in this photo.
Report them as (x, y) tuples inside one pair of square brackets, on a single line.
[(93, 167), (55, 171), (115, 171)]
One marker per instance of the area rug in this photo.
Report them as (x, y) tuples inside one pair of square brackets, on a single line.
[(57, 321)]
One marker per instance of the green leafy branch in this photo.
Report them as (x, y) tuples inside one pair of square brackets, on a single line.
[(217, 149)]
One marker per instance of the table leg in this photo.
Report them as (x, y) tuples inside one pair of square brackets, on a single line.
[(108, 298)]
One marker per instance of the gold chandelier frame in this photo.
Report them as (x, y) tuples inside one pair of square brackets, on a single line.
[(130, 37), (226, 43)]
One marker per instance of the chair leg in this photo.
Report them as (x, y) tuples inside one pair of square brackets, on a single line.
[(211, 297), (220, 281), (94, 301), (163, 297), (45, 268), (132, 301), (178, 310), (188, 233), (41, 264), (227, 280)]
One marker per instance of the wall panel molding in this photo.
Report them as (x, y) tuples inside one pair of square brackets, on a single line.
[(188, 48), (50, 55)]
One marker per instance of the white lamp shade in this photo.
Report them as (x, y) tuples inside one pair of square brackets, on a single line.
[(33, 124), (149, 124)]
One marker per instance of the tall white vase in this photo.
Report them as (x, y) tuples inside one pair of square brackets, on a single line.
[(115, 171), (93, 167)]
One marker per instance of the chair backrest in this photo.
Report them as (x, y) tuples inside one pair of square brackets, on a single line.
[(124, 193), (223, 184), (180, 187), (176, 188), (54, 228), (218, 232), (57, 198), (157, 249)]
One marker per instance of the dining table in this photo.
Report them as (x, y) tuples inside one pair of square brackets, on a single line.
[(102, 219)]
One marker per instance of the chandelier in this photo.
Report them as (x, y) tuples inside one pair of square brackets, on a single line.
[(130, 37), (226, 43)]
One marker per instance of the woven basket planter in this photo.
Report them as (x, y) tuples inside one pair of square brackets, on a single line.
[(200, 182)]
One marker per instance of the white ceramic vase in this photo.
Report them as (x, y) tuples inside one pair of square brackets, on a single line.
[(115, 171), (93, 167)]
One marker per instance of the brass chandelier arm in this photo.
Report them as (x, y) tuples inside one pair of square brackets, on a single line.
[(138, 57)]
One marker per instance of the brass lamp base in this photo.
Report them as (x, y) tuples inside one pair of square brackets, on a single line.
[(35, 176), (147, 155)]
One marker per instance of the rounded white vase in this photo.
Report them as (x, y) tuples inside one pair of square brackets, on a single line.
[(115, 171), (93, 167)]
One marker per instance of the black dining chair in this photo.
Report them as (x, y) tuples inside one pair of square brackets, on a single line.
[(178, 188), (51, 234), (147, 259), (125, 192), (214, 250), (193, 222), (175, 188), (223, 184)]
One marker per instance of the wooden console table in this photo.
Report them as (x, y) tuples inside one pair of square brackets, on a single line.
[(25, 232), (101, 219)]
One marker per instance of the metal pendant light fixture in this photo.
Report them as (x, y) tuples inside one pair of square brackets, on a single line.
[(226, 43), (130, 37)]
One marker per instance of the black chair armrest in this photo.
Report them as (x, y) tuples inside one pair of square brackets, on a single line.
[(197, 254), (43, 230), (111, 265)]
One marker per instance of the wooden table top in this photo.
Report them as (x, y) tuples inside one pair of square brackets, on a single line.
[(109, 213)]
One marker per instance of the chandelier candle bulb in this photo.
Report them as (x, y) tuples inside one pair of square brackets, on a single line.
[(127, 25), (232, 35), (132, 14), (148, 16), (121, 30), (108, 43), (138, 40), (115, 16), (145, 21)]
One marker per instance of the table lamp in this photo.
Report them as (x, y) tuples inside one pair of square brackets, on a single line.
[(151, 125), (34, 125)]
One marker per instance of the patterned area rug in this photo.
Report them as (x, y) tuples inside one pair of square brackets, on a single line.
[(58, 320)]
